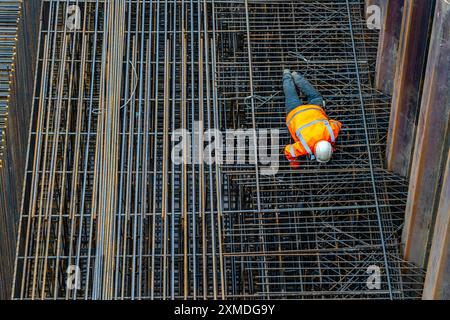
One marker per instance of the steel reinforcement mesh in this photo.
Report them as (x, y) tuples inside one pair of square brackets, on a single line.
[(107, 214), (9, 19)]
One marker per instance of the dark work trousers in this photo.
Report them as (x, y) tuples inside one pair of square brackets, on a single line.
[(290, 81)]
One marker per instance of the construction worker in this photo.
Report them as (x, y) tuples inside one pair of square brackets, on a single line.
[(314, 133)]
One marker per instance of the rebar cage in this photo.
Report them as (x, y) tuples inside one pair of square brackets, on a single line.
[(9, 17), (106, 212)]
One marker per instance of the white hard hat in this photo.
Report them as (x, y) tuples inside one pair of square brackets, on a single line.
[(323, 151)]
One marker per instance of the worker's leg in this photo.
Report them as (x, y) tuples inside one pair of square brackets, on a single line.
[(290, 92), (313, 96)]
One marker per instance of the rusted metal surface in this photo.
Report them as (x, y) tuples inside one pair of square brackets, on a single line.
[(437, 282), (432, 144), (412, 56), (11, 174), (389, 45)]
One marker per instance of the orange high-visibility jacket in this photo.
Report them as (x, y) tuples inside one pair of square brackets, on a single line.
[(309, 125)]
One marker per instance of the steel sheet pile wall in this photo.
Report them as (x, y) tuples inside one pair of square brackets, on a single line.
[(105, 202)]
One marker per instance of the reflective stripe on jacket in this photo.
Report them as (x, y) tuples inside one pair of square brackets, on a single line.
[(309, 125)]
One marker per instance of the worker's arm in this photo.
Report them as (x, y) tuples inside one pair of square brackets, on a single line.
[(294, 151), (336, 126)]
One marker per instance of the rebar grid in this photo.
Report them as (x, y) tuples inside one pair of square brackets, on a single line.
[(313, 212), (9, 18), (104, 197)]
